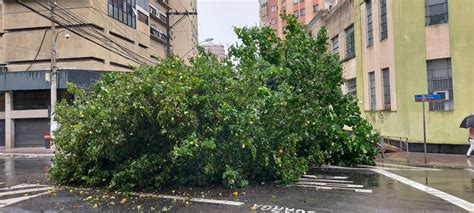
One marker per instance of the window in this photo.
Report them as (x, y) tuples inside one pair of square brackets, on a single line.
[(370, 35), (296, 13), (440, 82), (335, 44), (386, 89), (142, 17), (2, 102), (123, 11), (350, 45), (274, 21), (436, 12), (302, 12), (383, 20), (283, 4), (27, 100), (315, 8), (352, 87), (373, 97), (297, 1), (153, 11), (274, 8)]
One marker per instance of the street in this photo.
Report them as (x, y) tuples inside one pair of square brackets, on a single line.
[(24, 188)]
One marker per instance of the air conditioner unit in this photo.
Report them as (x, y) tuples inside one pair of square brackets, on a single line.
[(3, 69), (443, 94)]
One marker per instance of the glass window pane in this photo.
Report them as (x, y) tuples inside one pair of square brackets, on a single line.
[(437, 9), (432, 2)]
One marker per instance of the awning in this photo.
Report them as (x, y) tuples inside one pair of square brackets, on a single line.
[(35, 80)]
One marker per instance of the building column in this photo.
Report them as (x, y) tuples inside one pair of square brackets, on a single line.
[(9, 123)]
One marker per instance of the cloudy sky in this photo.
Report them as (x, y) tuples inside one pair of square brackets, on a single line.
[(218, 17)]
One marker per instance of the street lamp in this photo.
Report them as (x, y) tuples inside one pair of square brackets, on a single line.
[(205, 41)]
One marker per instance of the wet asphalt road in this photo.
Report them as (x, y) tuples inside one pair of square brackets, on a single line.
[(340, 190)]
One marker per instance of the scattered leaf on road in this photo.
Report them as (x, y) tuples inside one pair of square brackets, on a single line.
[(123, 201)]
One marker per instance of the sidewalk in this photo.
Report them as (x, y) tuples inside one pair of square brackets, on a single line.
[(433, 160), (26, 152)]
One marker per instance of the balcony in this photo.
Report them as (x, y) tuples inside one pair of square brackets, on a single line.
[(165, 4), (158, 36), (160, 17)]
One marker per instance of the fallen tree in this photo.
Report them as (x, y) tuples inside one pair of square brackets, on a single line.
[(270, 111)]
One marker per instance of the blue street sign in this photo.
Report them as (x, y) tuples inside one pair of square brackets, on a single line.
[(427, 98)]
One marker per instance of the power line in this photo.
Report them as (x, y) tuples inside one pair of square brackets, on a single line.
[(100, 33), (68, 20), (39, 50), (83, 34)]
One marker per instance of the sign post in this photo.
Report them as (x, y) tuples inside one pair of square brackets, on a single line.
[(426, 98)]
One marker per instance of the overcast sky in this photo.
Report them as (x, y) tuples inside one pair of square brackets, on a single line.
[(218, 17)]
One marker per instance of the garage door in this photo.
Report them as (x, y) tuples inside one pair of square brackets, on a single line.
[(29, 132), (2, 133)]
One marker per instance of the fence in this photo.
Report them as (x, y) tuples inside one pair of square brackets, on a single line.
[(403, 143)]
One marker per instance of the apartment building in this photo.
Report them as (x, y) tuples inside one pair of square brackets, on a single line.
[(92, 37), (304, 10), (216, 49), (339, 22), (409, 47)]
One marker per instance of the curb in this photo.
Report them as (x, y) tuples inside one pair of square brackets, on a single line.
[(30, 155), (422, 164)]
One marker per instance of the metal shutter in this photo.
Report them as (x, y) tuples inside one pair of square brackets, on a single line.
[(2, 133), (30, 132)]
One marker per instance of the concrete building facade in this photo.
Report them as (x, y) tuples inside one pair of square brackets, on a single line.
[(409, 47), (92, 37), (339, 22), (304, 10), (216, 49)]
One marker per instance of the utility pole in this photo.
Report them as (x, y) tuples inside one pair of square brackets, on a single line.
[(169, 27), (424, 128), (54, 69)]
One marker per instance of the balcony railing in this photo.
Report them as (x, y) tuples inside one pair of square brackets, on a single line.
[(159, 17), (165, 3), (158, 35)]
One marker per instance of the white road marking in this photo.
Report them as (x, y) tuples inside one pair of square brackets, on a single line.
[(326, 180), (363, 190), (339, 177), (327, 177), (330, 184), (443, 195), (11, 201), (198, 200), (22, 186), (335, 188), (203, 200), (25, 191)]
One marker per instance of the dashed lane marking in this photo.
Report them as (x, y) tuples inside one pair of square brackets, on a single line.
[(14, 200), (25, 191), (326, 180), (22, 186), (437, 193), (331, 184), (325, 177), (21, 192), (197, 200), (333, 188)]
